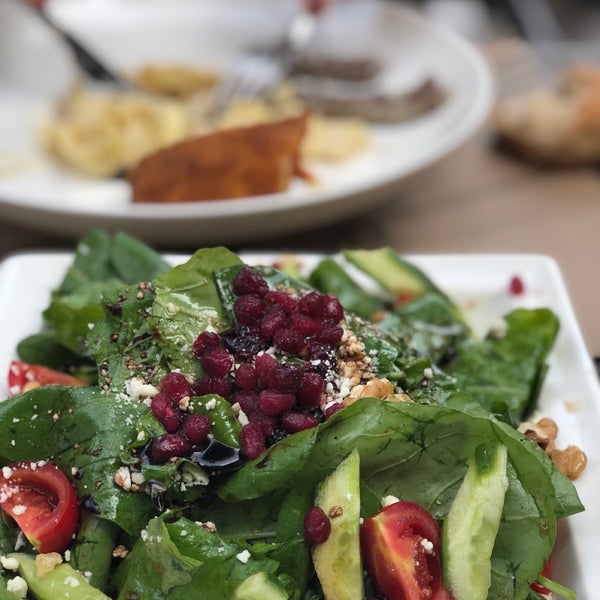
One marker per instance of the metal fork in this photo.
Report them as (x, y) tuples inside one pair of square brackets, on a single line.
[(89, 64), (257, 72)]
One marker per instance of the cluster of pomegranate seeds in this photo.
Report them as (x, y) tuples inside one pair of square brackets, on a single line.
[(275, 364), (276, 361), (184, 430)]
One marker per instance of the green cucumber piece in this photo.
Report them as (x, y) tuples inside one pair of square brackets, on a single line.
[(338, 561), (472, 523), (259, 587), (392, 272), (62, 582)]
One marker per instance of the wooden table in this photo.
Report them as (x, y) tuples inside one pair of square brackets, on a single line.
[(475, 201)]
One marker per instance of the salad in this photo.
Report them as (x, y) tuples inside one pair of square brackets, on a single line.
[(216, 430)]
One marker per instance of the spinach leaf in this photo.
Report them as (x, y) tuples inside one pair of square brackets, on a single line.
[(504, 373), (186, 303), (122, 343), (100, 264), (177, 560), (83, 429)]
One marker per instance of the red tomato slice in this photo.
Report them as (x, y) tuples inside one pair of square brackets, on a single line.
[(42, 500), (23, 376), (401, 551)]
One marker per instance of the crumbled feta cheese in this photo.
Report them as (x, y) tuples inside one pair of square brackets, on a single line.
[(19, 509), (428, 373), (18, 586), (9, 563), (211, 404), (243, 556), (242, 418), (72, 581), (138, 390), (388, 500), (427, 545)]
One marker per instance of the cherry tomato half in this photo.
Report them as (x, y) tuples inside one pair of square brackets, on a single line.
[(42, 500), (23, 376), (401, 551)]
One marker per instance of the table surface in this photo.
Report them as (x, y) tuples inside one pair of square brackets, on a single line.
[(477, 200)]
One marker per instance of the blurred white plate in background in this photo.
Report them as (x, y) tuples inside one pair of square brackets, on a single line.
[(35, 69)]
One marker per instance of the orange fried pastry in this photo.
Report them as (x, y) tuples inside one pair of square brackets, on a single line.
[(231, 163)]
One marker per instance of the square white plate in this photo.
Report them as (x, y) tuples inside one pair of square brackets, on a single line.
[(480, 285)]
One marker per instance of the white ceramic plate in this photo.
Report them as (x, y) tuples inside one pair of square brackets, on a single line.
[(35, 69), (571, 394)]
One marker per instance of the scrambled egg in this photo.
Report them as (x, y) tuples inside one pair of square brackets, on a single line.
[(103, 135)]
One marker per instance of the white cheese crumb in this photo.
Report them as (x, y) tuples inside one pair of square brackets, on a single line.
[(9, 563), (211, 404), (243, 556), (18, 586), (138, 390), (388, 500), (242, 418), (72, 581), (19, 509), (428, 373), (6, 472), (427, 545)]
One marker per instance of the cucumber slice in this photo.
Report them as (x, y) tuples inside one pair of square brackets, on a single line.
[(62, 582), (337, 561), (392, 272), (259, 587), (471, 527)]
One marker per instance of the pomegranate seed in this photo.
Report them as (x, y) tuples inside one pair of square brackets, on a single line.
[(267, 423), (283, 299), (273, 319), (165, 412), (247, 400), (285, 378), (205, 340), (246, 377), (252, 440), (175, 386), (296, 421), (248, 281), (311, 304), (248, 309), (196, 428), (243, 342), (516, 286), (317, 526), (168, 446), (274, 403), (305, 324), (333, 311), (330, 336), (212, 385), (264, 364), (289, 340), (216, 361), (311, 389), (332, 409)]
